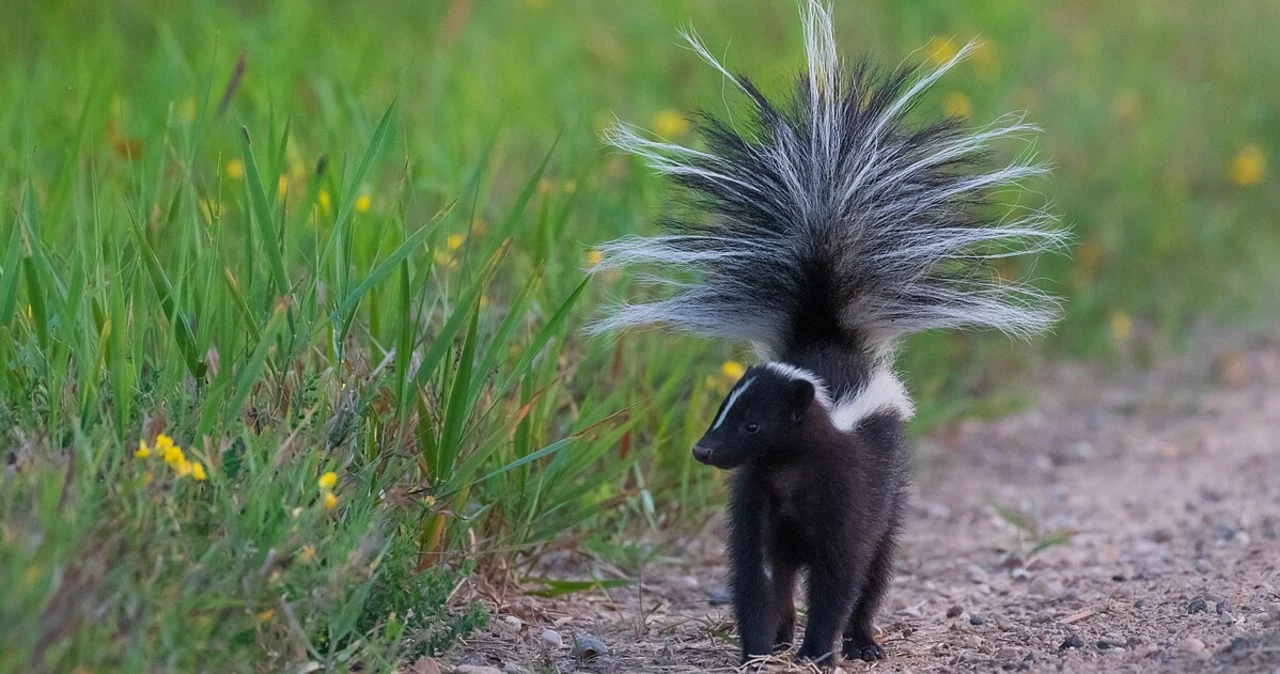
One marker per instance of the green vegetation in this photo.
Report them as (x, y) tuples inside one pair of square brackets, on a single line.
[(366, 256)]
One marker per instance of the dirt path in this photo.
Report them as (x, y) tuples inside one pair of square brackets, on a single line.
[(1157, 496)]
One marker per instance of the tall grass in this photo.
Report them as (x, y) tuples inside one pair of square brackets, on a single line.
[(308, 238)]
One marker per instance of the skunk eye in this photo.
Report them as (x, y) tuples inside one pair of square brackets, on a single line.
[(751, 427)]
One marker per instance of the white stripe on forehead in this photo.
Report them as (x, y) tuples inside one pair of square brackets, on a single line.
[(733, 398), (820, 392)]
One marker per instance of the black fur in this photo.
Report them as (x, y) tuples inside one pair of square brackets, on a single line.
[(807, 496)]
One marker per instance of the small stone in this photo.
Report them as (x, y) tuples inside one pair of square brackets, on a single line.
[(475, 669), (1133, 642), (1073, 641), (1226, 618), (976, 574), (973, 641), (719, 596), (1198, 605), (1191, 645), (513, 621), (955, 611), (1043, 587), (1007, 654), (552, 638), (1162, 535), (1041, 617), (976, 620), (587, 647), (1222, 606)]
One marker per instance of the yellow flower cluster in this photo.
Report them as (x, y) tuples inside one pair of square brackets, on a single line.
[(173, 456), (327, 482)]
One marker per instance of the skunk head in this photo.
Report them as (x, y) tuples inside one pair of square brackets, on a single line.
[(762, 420)]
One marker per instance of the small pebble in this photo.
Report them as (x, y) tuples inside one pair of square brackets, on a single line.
[(1226, 618), (1007, 654), (976, 620), (719, 596), (1073, 641), (976, 574), (1222, 606), (513, 621), (955, 611), (1191, 645), (1198, 605), (587, 647), (552, 638)]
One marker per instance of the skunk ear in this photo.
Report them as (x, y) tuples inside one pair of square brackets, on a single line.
[(800, 395)]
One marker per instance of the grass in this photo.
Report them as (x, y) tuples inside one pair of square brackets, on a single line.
[(365, 254)]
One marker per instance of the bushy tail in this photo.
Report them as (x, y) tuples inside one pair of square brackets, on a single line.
[(830, 211)]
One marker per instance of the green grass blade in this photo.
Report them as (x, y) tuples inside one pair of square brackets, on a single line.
[(262, 212)]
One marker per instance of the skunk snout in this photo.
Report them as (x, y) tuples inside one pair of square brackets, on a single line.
[(702, 453)]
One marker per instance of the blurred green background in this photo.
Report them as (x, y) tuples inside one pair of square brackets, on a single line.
[(388, 283)]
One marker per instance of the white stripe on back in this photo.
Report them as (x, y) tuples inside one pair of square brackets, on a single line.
[(733, 398), (882, 392)]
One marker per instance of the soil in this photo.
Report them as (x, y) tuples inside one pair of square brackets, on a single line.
[(1122, 522)]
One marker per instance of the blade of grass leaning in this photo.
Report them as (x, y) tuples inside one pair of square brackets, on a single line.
[(9, 276), (443, 339), (168, 304), (552, 327), (345, 310), (262, 213), (352, 191), (253, 368), (456, 409)]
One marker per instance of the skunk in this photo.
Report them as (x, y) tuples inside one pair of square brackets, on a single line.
[(836, 227)]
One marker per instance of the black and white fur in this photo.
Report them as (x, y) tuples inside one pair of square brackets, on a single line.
[(836, 227)]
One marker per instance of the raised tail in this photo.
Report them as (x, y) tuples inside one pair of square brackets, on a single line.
[(831, 213)]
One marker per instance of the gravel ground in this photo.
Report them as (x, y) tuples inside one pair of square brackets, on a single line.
[(1122, 523)]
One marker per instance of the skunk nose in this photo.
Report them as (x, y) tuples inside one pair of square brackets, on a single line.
[(702, 453)]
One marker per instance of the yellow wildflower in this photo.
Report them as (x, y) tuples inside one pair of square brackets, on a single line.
[(1121, 326), (733, 369), (429, 500), (182, 468), (235, 169), (940, 50), (325, 201), (956, 104), (669, 123), (197, 471), (363, 203), (163, 443), (308, 553), (143, 450), (329, 500), (1248, 166), (594, 258), (187, 109), (328, 480), (266, 615), (455, 241)]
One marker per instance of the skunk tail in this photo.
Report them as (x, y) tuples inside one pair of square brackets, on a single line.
[(832, 215)]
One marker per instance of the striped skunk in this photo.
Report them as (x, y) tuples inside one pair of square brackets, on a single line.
[(835, 228)]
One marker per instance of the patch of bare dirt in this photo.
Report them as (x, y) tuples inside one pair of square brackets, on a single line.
[(1122, 523)]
